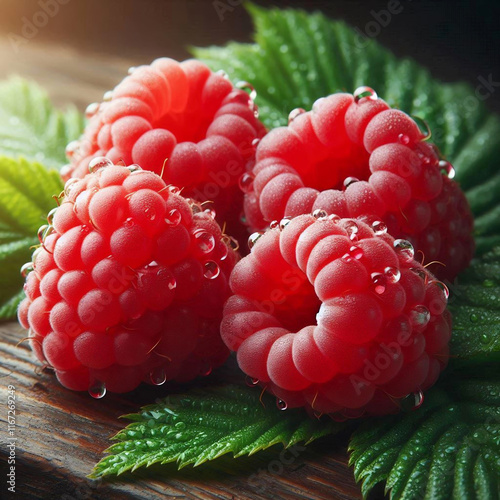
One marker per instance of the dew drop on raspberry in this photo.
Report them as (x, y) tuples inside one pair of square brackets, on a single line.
[(91, 110), (404, 139), (392, 274), (246, 182), (99, 162), (26, 269), (255, 142), (379, 283), (72, 149), (419, 317), (247, 87), (413, 401), (404, 249), (107, 96), (379, 228), (294, 113), (274, 224), (210, 212), (97, 389), (281, 405), (320, 214), (423, 126), (173, 218), (50, 216), (284, 222), (334, 218), (350, 180), (442, 287), (356, 252), (253, 238), (362, 92), (352, 229), (158, 376), (447, 168), (134, 168), (70, 183), (211, 270), (251, 381), (204, 241)]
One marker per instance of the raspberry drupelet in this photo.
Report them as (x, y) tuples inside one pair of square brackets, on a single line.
[(354, 156), (180, 120), (337, 316), (128, 284)]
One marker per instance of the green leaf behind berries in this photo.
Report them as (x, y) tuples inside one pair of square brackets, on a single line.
[(204, 424), (30, 126), (300, 57), (448, 449), (26, 190)]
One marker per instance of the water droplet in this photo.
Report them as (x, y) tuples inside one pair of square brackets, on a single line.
[(423, 126), (107, 96), (255, 142), (484, 339), (206, 369), (320, 214), (379, 283), (356, 252), (413, 401), (91, 110), (72, 149), (379, 227), (204, 240), (172, 283), (134, 168), (210, 212), (281, 405), (99, 162), (131, 69), (442, 287), (347, 257), (26, 269), (334, 218), (294, 113), (173, 218), (274, 224), (350, 180), (70, 183), (211, 270), (284, 222), (223, 251), (352, 229), (97, 389), (404, 249), (488, 283), (403, 139), (129, 222), (252, 239), (246, 182), (420, 316), (43, 232), (158, 376), (447, 169), (150, 213), (362, 92), (247, 87), (50, 215), (392, 274), (251, 381), (474, 318), (180, 425)]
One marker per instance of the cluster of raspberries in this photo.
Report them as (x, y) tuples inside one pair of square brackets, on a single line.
[(333, 307)]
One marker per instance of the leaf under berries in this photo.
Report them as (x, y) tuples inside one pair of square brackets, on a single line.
[(26, 191), (300, 57), (204, 424), (475, 304), (31, 127), (448, 449)]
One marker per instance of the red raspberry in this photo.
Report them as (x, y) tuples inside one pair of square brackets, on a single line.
[(353, 156), (330, 315), (184, 113), (128, 284)]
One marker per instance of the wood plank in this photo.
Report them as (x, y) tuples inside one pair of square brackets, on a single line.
[(61, 434)]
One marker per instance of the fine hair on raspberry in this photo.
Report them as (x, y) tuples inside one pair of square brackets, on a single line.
[(354, 156), (128, 283), (335, 315)]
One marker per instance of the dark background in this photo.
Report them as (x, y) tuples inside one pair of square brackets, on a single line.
[(456, 40)]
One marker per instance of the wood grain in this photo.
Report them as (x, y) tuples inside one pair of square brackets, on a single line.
[(62, 434)]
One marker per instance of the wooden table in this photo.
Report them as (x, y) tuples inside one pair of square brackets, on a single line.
[(62, 434)]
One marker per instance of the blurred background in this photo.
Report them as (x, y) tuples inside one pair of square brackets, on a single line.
[(80, 48)]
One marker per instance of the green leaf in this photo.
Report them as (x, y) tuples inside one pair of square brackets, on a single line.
[(448, 449), (26, 191), (204, 424), (300, 57), (30, 126), (475, 305)]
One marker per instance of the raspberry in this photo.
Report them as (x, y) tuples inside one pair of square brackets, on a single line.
[(128, 284), (356, 157), (179, 120), (331, 315)]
